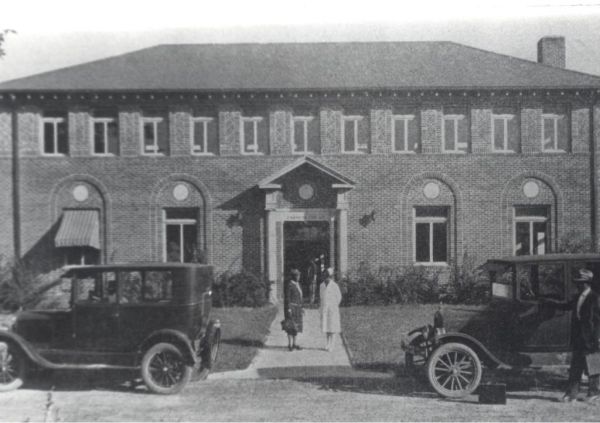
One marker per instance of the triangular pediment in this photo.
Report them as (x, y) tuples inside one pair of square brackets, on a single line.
[(340, 181)]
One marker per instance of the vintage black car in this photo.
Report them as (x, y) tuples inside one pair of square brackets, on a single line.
[(518, 328), (152, 318)]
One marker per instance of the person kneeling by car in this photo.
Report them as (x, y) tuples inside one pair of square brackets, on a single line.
[(585, 331)]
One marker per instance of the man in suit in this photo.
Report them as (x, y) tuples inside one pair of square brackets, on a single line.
[(585, 331)]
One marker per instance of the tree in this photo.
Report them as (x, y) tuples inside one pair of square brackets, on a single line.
[(3, 35)]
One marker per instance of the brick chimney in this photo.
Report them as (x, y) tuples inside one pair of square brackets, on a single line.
[(551, 51)]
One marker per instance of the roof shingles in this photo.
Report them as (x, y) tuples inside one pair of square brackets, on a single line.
[(306, 66)]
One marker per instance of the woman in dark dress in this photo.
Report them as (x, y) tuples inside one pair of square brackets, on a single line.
[(293, 307)]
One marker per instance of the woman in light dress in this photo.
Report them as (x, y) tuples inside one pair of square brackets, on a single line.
[(331, 297)]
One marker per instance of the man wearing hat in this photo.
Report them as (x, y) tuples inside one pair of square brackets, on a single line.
[(585, 331)]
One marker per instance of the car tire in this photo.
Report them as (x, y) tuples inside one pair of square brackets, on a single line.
[(208, 356), (12, 367), (454, 370), (164, 370)]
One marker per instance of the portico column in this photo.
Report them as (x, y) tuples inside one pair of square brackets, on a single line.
[(342, 242), (271, 255)]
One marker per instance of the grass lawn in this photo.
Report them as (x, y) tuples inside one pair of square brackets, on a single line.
[(373, 333), (243, 332)]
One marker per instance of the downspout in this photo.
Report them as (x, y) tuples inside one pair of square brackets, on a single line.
[(16, 195), (593, 182)]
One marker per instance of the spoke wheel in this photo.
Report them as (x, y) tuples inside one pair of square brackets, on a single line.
[(12, 368), (164, 370), (454, 370)]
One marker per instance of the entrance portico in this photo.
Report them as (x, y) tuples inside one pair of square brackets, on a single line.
[(305, 191)]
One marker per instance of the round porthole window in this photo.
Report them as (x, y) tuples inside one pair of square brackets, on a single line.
[(306, 192), (181, 192), (80, 193), (531, 189), (431, 190)]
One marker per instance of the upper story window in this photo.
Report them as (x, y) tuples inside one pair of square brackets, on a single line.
[(203, 136), (354, 134), (505, 137), (105, 135), (54, 134), (154, 136), (405, 133), (455, 131), (253, 135), (303, 137), (555, 137)]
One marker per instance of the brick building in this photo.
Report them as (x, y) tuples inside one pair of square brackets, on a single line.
[(261, 156)]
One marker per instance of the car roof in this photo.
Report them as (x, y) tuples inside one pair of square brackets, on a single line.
[(547, 258)]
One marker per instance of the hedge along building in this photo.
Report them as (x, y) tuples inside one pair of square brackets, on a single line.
[(261, 156)]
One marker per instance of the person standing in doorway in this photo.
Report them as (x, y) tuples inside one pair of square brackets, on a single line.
[(331, 297), (293, 308), (315, 275)]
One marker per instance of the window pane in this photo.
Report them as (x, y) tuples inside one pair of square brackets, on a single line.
[(131, 287), (113, 137), (88, 289), (432, 211), (449, 136), (213, 139), (314, 136), (263, 136), (499, 134), (186, 213), (363, 135), (299, 136), (158, 286), (413, 135), (162, 137), (190, 243), (539, 237), (173, 241), (536, 211), (422, 242), (149, 137), (549, 135), (49, 138), (440, 241), (522, 239), (563, 133), (199, 136), (63, 138), (248, 128), (99, 144), (513, 135), (349, 135), (399, 138), (551, 281)]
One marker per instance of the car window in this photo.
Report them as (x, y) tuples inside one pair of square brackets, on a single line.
[(88, 289), (158, 286), (131, 283), (544, 280)]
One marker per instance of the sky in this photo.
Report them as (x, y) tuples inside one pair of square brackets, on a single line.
[(65, 32)]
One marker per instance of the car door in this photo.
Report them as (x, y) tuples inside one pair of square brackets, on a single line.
[(96, 312), (537, 325)]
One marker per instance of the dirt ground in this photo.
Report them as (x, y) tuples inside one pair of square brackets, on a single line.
[(364, 396)]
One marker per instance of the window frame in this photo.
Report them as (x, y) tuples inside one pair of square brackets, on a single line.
[(457, 145), (305, 120), (505, 117), (55, 121), (105, 121), (255, 120), (531, 220), (205, 120), (431, 220), (406, 119), (181, 222), (355, 119), (555, 117), (155, 147)]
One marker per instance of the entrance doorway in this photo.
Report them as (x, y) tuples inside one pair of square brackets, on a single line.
[(303, 242)]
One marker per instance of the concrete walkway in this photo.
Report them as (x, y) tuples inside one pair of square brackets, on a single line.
[(275, 361)]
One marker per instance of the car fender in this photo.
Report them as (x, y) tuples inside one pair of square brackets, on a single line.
[(174, 337), (484, 354), (26, 348)]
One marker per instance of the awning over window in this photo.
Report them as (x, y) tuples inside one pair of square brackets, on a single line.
[(79, 228)]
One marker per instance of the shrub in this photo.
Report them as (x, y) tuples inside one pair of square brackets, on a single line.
[(390, 285), (467, 284), (242, 289), (573, 242)]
